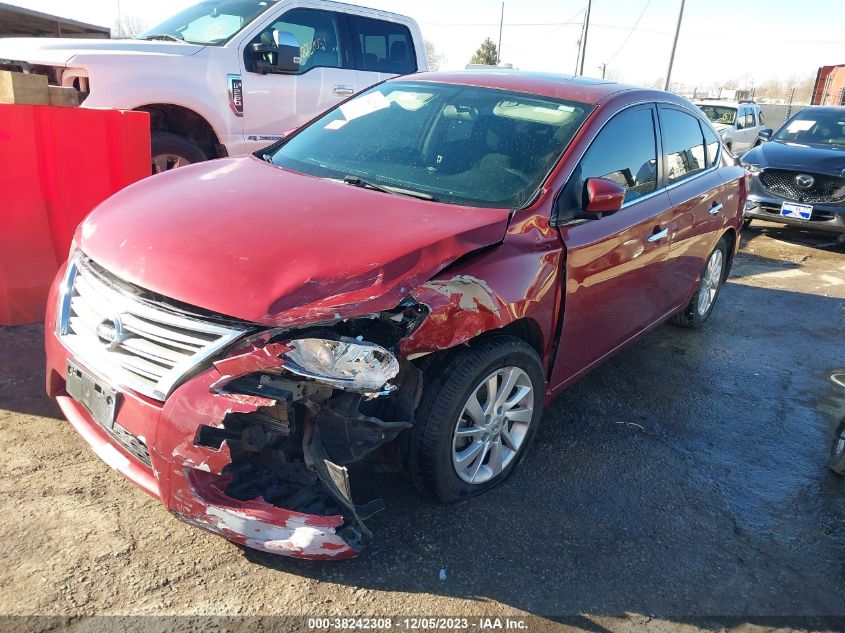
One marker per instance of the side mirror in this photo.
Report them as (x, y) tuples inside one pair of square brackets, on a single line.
[(282, 56), (765, 135), (288, 53), (739, 125), (603, 196)]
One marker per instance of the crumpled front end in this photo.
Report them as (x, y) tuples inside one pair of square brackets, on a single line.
[(249, 442)]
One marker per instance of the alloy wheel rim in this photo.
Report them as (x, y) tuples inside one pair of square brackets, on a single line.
[(710, 281), (166, 162), (493, 425)]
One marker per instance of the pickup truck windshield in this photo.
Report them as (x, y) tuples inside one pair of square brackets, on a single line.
[(451, 143), (211, 23), (814, 128)]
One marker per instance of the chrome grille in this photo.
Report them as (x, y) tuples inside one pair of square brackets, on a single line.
[(130, 342), (825, 188)]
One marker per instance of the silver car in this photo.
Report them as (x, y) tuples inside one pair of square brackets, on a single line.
[(737, 122)]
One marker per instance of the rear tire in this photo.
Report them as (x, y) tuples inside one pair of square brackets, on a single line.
[(170, 151), (464, 441), (712, 276)]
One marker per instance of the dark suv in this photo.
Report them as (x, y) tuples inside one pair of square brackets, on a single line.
[(799, 176)]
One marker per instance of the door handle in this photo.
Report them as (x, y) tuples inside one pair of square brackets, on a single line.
[(716, 208), (658, 235), (343, 90)]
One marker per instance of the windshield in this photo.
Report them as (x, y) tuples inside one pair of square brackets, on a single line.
[(211, 23), (455, 144), (814, 128), (718, 114)]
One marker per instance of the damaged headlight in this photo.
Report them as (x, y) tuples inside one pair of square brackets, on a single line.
[(345, 364)]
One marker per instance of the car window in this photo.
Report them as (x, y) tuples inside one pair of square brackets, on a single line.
[(384, 47), (760, 117), (318, 34), (712, 143), (718, 114), (624, 152), (683, 144), (814, 127), (457, 144), (741, 119), (751, 118)]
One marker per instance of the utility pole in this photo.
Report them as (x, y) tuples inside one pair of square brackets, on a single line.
[(584, 38), (674, 45), (603, 67), (119, 22), (501, 24)]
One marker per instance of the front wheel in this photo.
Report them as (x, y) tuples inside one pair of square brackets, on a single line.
[(710, 283), (170, 151), (477, 416)]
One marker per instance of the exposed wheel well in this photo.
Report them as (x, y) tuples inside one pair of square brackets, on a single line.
[(166, 117)]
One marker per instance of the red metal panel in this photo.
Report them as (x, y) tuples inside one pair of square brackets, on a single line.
[(56, 164)]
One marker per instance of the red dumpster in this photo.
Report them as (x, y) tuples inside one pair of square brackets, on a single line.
[(56, 164)]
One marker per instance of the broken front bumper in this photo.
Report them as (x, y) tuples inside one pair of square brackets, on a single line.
[(210, 452)]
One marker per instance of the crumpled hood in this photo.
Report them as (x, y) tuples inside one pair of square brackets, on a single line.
[(812, 158), (246, 239), (52, 51)]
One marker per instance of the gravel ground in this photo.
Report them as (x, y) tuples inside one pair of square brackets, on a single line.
[(683, 481)]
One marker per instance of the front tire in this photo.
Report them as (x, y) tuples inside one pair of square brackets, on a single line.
[(698, 310), (479, 411), (170, 151)]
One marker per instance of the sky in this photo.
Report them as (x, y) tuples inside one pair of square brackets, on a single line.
[(749, 40)]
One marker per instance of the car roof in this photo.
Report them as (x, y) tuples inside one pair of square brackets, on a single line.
[(558, 86)]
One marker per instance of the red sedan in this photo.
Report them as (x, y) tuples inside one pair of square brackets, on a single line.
[(430, 262)]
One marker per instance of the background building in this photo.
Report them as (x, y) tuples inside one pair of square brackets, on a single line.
[(20, 22), (829, 88)]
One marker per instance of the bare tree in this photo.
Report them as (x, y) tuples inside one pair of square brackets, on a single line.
[(434, 58), (128, 26)]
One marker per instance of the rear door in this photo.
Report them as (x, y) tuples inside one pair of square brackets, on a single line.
[(276, 103), (746, 130), (615, 265), (696, 193), (381, 49)]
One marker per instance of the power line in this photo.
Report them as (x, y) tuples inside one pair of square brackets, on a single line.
[(630, 33)]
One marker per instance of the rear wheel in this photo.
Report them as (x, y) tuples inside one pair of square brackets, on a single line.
[(170, 151), (712, 276)]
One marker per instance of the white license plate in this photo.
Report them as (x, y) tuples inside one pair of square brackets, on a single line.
[(798, 211)]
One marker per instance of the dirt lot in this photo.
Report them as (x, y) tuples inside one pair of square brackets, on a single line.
[(684, 479)]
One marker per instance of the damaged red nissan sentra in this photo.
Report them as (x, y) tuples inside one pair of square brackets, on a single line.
[(430, 262)]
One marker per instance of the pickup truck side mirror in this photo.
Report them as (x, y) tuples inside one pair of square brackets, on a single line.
[(764, 135), (603, 196), (282, 56)]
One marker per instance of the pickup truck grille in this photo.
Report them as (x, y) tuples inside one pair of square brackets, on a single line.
[(825, 189), (129, 341)]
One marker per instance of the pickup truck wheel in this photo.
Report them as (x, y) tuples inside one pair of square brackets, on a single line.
[(837, 451), (477, 416), (712, 277), (171, 151)]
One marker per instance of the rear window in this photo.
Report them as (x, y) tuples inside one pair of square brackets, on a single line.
[(384, 47)]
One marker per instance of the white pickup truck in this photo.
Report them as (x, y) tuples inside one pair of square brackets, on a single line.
[(226, 77)]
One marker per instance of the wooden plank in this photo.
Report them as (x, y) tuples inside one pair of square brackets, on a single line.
[(20, 88), (65, 96)]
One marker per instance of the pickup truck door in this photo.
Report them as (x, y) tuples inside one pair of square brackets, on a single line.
[(381, 49), (746, 130), (615, 265), (274, 103)]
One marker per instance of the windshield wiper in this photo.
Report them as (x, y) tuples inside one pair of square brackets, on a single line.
[(358, 182), (163, 36)]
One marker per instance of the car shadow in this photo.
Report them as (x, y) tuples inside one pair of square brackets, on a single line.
[(793, 235), (22, 367), (684, 478)]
